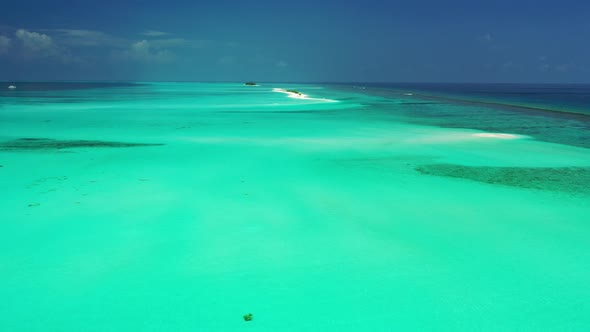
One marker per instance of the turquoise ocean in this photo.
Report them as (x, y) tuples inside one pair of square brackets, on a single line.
[(185, 206)]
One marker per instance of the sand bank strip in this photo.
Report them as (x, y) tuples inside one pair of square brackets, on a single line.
[(497, 135), (295, 95)]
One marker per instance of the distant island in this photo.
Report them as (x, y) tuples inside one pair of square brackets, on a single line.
[(295, 92), (251, 84), (292, 93)]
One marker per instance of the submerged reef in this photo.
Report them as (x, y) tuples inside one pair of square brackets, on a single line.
[(27, 144), (564, 179)]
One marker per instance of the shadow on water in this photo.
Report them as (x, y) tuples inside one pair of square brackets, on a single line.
[(44, 144)]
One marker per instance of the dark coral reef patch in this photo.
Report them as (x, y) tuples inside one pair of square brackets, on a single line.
[(564, 179), (32, 144)]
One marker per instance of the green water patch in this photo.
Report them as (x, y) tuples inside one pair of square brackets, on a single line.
[(34, 144), (563, 179)]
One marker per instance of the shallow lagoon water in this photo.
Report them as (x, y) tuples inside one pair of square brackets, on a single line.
[(205, 202)]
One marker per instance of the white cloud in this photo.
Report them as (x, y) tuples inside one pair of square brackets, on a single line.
[(143, 51), (89, 38), (92, 34), (85, 46), (488, 41), (4, 44), (545, 67), (40, 45), (562, 68), (170, 42), (282, 64), (36, 42), (141, 47), (558, 68), (154, 33)]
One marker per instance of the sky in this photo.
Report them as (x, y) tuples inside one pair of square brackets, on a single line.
[(517, 41)]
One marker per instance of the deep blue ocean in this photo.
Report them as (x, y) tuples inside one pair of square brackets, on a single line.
[(553, 97)]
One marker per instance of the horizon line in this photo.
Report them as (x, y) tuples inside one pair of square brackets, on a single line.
[(290, 82)]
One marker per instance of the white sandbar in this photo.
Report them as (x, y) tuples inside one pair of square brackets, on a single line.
[(301, 95), (497, 135)]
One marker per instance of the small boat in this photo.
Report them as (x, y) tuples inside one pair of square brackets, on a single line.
[(12, 87), (408, 94)]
